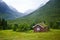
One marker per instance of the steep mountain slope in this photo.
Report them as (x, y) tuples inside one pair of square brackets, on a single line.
[(48, 13), (51, 10), (8, 13)]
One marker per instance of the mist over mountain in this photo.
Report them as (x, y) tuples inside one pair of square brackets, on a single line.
[(8, 12)]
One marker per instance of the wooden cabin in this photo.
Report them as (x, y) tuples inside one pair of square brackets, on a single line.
[(40, 28)]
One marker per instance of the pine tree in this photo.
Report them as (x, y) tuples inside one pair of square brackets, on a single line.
[(4, 24)]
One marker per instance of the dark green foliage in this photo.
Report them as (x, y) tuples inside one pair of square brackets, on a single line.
[(9, 26), (58, 24), (3, 24), (51, 24), (55, 25), (23, 27), (15, 27), (0, 22)]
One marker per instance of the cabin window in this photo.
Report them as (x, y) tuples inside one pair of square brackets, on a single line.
[(38, 29)]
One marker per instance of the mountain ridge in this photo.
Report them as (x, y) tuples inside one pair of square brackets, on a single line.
[(7, 13), (49, 13)]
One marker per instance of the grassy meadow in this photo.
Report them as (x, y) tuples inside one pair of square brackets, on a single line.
[(53, 34)]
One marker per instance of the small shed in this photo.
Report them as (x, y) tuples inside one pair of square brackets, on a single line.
[(41, 27)]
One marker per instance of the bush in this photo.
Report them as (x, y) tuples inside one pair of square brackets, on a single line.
[(15, 27), (23, 27), (55, 25)]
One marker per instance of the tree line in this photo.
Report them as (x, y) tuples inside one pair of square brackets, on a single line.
[(24, 26), (4, 25)]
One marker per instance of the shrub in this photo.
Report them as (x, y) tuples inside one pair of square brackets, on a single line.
[(55, 25), (23, 27), (15, 27)]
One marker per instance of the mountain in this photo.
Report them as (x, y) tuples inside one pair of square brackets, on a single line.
[(50, 12), (29, 11), (8, 12)]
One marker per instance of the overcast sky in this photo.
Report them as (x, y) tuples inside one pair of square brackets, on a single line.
[(23, 5)]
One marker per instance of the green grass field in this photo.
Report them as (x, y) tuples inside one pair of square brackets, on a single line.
[(53, 34)]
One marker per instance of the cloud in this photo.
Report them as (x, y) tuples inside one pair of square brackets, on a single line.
[(23, 5)]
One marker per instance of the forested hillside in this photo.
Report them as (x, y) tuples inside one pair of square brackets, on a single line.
[(49, 13)]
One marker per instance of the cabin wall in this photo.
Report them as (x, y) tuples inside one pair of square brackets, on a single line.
[(45, 29), (41, 29)]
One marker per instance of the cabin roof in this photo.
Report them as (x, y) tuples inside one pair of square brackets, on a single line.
[(41, 24)]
